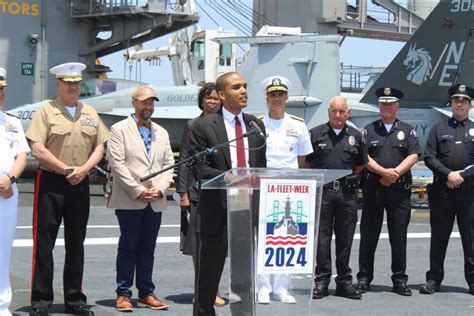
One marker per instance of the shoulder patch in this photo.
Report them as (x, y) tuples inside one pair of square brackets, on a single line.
[(11, 114), (413, 133), (297, 118)]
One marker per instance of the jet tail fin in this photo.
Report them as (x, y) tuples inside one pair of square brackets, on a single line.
[(439, 55)]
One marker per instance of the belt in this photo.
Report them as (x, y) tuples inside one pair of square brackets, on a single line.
[(404, 181), (349, 182)]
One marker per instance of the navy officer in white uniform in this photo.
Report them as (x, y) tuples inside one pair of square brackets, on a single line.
[(288, 143), (14, 147)]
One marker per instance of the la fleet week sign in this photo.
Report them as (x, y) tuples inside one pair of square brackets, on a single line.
[(286, 226)]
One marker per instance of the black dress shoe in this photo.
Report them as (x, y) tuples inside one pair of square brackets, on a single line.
[(401, 289), (471, 289), (40, 312), (362, 286), (320, 291), (348, 291), (79, 310), (429, 288)]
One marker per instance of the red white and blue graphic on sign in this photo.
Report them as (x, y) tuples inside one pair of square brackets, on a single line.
[(286, 226)]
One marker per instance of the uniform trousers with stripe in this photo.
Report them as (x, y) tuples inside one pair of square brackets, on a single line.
[(57, 200), (338, 215), (8, 216), (445, 206), (396, 201)]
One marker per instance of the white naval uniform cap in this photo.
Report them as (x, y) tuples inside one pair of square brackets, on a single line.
[(68, 72), (275, 83), (3, 77)]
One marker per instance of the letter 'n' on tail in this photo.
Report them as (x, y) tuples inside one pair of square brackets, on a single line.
[(439, 55)]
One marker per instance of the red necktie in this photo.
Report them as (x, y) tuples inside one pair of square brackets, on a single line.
[(240, 144)]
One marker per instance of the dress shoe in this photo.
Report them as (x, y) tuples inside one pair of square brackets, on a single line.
[(263, 297), (348, 291), (320, 291), (363, 286), (471, 289), (429, 288), (151, 301), (82, 310), (40, 312), (219, 301), (284, 298), (124, 304), (401, 289), (234, 297)]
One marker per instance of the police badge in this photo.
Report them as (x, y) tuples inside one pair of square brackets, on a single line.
[(471, 131), (387, 91), (401, 135), (351, 140)]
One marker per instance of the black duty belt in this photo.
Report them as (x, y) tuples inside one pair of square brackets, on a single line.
[(348, 182), (404, 181)]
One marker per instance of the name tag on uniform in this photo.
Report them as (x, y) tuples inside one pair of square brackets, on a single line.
[(11, 128), (88, 122)]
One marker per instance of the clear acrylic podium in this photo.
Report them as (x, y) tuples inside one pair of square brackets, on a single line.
[(243, 201)]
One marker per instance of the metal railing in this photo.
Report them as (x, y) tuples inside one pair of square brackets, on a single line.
[(81, 8)]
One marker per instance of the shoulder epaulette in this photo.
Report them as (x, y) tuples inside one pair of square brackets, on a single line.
[(11, 114), (297, 118), (261, 116)]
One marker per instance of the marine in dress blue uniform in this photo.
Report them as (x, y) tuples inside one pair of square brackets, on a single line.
[(449, 153), (288, 144), (337, 146), (393, 149), (14, 147)]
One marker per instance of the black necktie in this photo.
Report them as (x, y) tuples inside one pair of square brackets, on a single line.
[(458, 157)]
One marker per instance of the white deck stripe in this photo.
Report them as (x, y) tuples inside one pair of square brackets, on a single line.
[(175, 240), (95, 226)]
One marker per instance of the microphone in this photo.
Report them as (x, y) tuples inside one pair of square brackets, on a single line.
[(255, 126)]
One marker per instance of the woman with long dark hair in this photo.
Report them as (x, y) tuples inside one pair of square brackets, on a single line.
[(208, 102)]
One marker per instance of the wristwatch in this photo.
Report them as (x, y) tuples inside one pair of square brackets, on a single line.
[(12, 179)]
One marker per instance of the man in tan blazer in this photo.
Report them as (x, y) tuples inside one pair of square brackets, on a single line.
[(138, 147)]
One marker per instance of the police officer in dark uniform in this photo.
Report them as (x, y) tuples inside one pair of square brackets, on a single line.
[(393, 150), (337, 146), (449, 153)]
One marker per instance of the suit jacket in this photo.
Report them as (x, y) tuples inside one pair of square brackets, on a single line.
[(129, 161), (186, 181), (209, 131)]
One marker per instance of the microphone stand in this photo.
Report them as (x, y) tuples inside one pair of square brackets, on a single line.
[(205, 153), (197, 162)]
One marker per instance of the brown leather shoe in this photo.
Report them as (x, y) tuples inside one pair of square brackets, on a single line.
[(152, 302), (124, 304), (219, 301)]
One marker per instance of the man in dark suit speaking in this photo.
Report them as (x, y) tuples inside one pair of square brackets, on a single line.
[(208, 131)]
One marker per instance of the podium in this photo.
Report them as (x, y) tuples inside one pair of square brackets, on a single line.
[(272, 222)]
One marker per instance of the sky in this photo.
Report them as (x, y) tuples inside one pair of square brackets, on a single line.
[(354, 51)]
